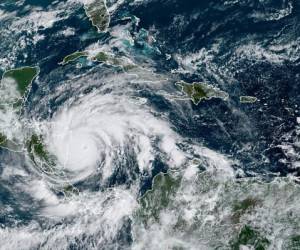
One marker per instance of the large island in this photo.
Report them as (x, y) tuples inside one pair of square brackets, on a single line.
[(98, 14), (198, 91)]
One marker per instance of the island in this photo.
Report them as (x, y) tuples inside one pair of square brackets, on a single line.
[(248, 99), (101, 57), (98, 14), (73, 57), (111, 59), (198, 91), (23, 77)]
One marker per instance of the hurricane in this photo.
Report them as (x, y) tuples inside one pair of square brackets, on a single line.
[(147, 124), (99, 131)]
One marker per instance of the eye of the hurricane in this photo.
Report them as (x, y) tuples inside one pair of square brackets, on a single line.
[(80, 151), (75, 143), (96, 134)]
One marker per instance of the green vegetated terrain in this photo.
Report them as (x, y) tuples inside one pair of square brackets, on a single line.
[(39, 154), (293, 243), (240, 210), (201, 91), (250, 237), (158, 198), (98, 14), (3, 140), (36, 146), (47, 163), (101, 57), (247, 236), (244, 206), (22, 76), (70, 190), (110, 59), (248, 99), (74, 56)]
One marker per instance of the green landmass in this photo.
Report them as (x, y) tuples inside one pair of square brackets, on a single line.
[(38, 153), (201, 91), (158, 198), (245, 204), (293, 243), (98, 14), (250, 237), (35, 146), (3, 139), (101, 57), (74, 56), (70, 190), (23, 77), (187, 88), (242, 207), (248, 99)]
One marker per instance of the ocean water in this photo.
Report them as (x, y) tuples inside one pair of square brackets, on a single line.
[(124, 158)]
